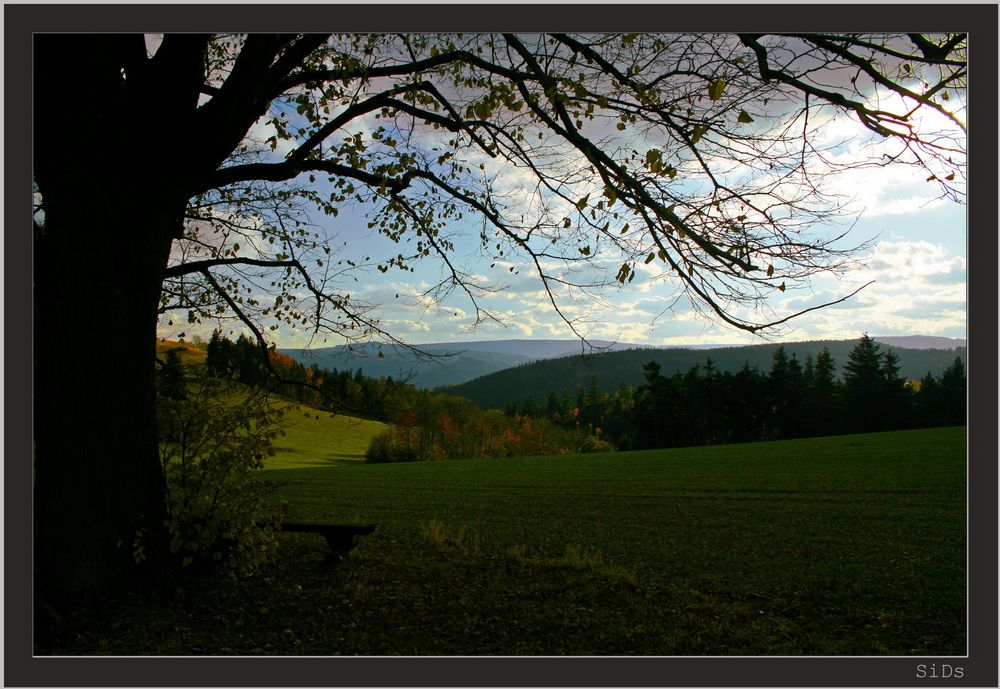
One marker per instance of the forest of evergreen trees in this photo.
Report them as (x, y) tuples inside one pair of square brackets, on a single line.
[(339, 391), (794, 399), (612, 369), (703, 406)]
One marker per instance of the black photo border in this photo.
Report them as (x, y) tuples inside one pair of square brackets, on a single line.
[(980, 665)]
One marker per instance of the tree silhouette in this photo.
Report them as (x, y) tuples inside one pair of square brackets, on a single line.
[(219, 355), (749, 404), (953, 394), (875, 397), (784, 383), (895, 394), (863, 385), (170, 377), (820, 406), (628, 143)]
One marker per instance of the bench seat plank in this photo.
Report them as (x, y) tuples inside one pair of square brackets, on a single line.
[(340, 537)]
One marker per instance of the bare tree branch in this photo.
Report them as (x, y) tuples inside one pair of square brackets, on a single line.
[(201, 266)]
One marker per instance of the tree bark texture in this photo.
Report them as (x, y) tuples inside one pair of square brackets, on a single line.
[(106, 165), (99, 490)]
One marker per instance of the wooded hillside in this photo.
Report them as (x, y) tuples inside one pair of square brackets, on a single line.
[(574, 374)]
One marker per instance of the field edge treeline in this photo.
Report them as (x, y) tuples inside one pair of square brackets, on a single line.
[(793, 399), (703, 406), (424, 425)]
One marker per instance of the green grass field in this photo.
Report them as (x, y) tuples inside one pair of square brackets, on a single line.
[(851, 545), (847, 545)]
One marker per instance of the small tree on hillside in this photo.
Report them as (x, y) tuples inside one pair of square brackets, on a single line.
[(928, 402), (863, 386), (218, 355), (170, 382), (784, 384), (653, 415), (748, 404)]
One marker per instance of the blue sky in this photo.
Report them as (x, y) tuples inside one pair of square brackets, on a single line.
[(916, 258)]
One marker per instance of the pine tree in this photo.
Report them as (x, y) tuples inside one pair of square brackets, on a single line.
[(214, 355), (170, 381), (553, 409), (864, 387), (821, 403), (896, 401), (747, 402), (928, 402), (714, 407), (777, 394), (247, 361), (953, 388), (652, 421)]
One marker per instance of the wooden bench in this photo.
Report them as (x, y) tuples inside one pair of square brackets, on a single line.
[(340, 537)]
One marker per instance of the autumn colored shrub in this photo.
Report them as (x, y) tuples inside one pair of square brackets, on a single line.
[(212, 442), (453, 428), (392, 445), (594, 443)]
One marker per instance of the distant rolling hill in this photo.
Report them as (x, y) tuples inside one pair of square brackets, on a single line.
[(449, 363), (611, 370), (920, 341)]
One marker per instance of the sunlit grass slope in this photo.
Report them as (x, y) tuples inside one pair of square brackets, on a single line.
[(315, 438), (312, 437), (190, 355)]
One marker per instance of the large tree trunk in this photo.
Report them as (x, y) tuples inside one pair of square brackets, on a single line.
[(119, 149), (99, 490), (106, 164)]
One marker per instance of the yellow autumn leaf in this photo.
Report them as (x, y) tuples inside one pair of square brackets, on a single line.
[(716, 88)]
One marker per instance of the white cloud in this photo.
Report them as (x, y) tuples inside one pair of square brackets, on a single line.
[(885, 189), (919, 288), (910, 264), (878, 191)]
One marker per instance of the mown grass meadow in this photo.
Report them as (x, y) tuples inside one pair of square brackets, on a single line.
[(845, 545), (851, 545)]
